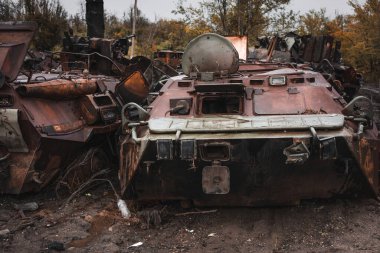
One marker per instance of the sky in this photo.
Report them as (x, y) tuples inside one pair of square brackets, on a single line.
[(155, 9)]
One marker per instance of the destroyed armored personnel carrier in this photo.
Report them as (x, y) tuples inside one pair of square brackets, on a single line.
[(62, 125), (254, 134)]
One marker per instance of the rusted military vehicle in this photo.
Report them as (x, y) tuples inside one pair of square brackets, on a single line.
[(248, 135), (45, 125), (319, 53), (56, 125), (169, 57)]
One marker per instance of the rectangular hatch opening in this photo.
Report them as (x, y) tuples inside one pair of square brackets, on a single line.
[(221, 105)]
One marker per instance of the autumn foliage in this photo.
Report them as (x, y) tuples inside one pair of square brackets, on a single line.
[(358, 32)]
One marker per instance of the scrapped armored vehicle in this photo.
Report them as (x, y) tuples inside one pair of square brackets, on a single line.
[(319, 53), (248, 135), (170, 57), (48, 123), (61, 125)]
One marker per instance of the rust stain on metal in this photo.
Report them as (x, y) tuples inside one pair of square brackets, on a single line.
[(50, 120), (225, 133), (128, 163), (14, 43), (274, 134), (368, 161), (59, 89)]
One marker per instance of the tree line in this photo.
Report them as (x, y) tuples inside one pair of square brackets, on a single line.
[(359, 32)]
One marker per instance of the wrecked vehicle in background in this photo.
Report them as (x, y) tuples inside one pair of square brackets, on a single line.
[(46, 125), (319, 53), (95, 53), (251, 134), (261, 133), (169, 57)]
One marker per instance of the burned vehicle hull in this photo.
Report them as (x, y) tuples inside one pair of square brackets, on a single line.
[(47, 125), (255, 175), (45, 136), (265, 137)]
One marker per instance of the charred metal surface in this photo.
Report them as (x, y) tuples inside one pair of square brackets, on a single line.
[(14, 43), (272, 134), (369, 161), (49, 121), (95, 18), (95, 53), (53, 131), (372, 92), (321, 53), (169, 57), (59, 89), (134, 88), (226, 133), (258, 175)]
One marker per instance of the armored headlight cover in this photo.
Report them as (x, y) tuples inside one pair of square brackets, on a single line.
[(277, 80)]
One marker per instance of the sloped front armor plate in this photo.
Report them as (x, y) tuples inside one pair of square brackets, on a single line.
[(247, 124)]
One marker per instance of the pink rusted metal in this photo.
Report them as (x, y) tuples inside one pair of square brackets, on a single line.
[(272, 134)]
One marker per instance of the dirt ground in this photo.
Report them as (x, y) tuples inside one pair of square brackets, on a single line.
[(92, 223)]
